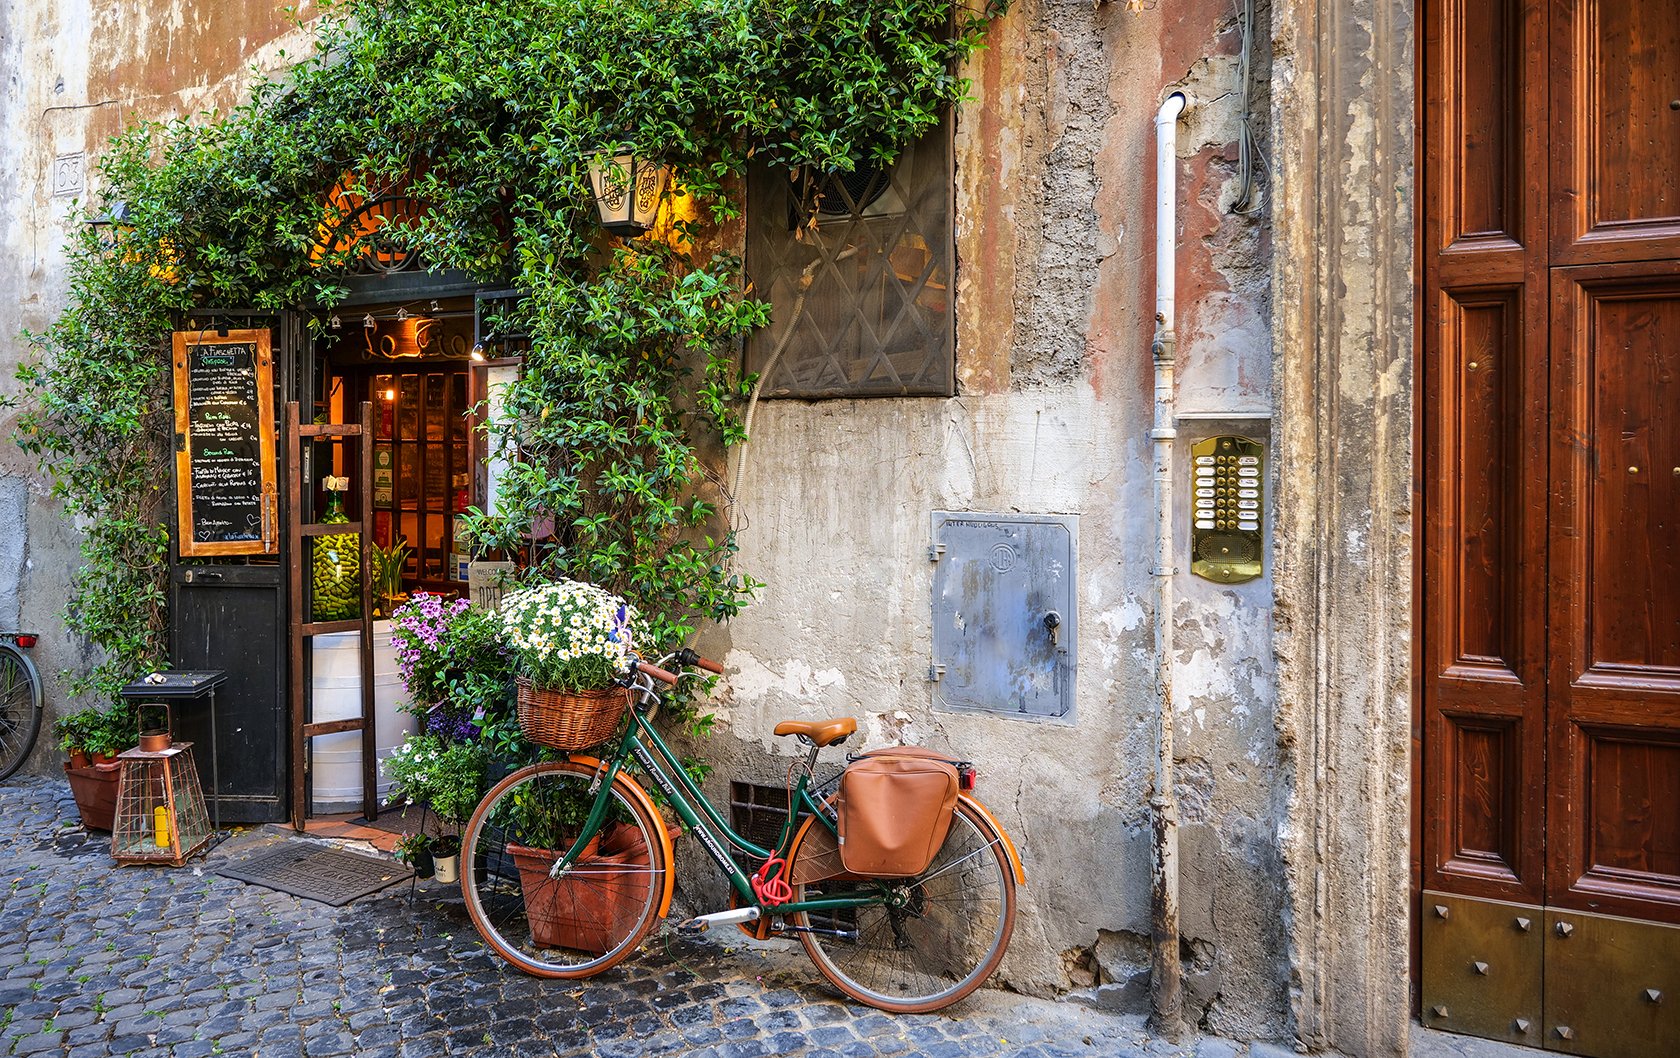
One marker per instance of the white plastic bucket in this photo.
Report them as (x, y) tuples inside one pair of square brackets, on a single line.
[(336, 765)]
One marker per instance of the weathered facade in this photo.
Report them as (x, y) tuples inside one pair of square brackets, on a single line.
[(1291, 692)]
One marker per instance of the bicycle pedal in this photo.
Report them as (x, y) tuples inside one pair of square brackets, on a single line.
[(732, 917)]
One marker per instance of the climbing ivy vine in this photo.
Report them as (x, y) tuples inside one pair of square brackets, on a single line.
[(485, 111)]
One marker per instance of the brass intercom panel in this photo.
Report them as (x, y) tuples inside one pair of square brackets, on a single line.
[(1228, 509)]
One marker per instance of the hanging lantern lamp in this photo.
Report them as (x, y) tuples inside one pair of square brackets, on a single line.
[(627, 190), (109, 225)]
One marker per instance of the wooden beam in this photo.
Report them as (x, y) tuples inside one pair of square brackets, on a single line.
[(295, 610), (332, 727)]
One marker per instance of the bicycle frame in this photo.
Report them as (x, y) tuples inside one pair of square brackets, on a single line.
[(641, 742)]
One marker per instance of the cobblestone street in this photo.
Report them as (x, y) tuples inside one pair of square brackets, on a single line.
[(99, 960)]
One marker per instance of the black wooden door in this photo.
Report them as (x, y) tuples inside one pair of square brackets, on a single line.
[(230, 613), (231, 616)]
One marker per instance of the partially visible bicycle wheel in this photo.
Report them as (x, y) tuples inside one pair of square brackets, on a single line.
[(20, 708), (934, 939), (589, 918)]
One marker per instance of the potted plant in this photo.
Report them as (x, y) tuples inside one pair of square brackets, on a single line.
[(593, 904), (416, 851), (101, 735), (570, 643), (110, 732), (452, 660), (71, 730), (446, 776), (446, 852), (387, 569), (596, 902)]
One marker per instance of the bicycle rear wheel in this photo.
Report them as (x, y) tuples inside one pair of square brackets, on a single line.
[(932, 940), (20, 708), (588, 919)]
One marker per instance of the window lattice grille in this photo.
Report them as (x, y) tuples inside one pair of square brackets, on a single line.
[(875, 269)]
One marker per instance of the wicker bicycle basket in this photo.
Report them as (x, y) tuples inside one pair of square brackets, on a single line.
[(570, 719)]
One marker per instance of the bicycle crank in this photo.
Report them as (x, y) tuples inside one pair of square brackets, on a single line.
[(732, 917)]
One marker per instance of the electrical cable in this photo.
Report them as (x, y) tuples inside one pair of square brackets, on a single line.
[(738, 457), (1247, 147)]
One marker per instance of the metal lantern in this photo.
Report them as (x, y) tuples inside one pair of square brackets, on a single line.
[(161, 817), (627, 191), (109, 225)]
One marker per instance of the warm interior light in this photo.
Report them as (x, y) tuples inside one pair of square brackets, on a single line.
[(477, 352), (389, 394)]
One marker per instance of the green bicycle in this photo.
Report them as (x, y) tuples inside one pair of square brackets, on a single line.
[(569, 864)]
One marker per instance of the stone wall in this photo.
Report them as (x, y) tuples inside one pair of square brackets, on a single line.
[(1055, 279), (1055, 294), (1343, 163)]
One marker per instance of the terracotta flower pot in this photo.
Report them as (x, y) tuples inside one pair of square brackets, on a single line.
[(95, 790), (79, 759), (593, 907)]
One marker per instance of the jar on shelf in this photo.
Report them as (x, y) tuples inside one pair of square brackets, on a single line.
[(337, 560)]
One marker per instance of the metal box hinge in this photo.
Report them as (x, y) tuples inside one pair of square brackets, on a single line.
[(935, 672), (936, 551)]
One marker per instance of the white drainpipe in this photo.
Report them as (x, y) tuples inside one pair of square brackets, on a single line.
[(1164, 968)]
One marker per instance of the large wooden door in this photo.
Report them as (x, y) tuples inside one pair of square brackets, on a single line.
[(1550, 307)]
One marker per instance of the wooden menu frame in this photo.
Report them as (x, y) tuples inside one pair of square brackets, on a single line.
[(196, 537)]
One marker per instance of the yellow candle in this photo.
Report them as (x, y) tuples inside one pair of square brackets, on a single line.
[(160, 824)]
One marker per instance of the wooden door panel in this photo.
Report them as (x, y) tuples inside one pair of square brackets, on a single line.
[(1614, 770), (1640, 777), (1482, 117), (1485, 638), (1616, 130), (1484, 829), (1490, 489), (1634, 480), (1485, 455)]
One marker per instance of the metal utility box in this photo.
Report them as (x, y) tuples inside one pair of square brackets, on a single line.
[(1005, 613)]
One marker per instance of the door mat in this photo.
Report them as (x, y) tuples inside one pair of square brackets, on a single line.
[(316, 872)]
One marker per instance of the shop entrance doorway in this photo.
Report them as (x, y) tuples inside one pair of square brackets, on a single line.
[(411, 361)]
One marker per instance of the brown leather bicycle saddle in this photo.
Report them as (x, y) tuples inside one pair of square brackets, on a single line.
[(821, 732)]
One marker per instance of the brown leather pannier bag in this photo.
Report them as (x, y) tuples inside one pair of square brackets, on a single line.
[(895, 810)]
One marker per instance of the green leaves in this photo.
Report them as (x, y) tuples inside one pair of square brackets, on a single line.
[(484, 111)]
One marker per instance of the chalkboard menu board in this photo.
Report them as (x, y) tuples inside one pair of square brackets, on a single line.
[(224, 443)]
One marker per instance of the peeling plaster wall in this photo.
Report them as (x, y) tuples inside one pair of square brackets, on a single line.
[(1343, 106), (75, 73), (1055, 281)]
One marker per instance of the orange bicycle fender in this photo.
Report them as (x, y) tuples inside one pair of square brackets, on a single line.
[(634, 789), (1008, 845), (798, 840)]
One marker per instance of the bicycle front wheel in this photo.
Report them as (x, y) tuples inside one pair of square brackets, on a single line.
[(932, 939), (20, 708), (589, 918)]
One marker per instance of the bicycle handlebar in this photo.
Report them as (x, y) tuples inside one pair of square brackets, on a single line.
[(689, 657), (655, 671)]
